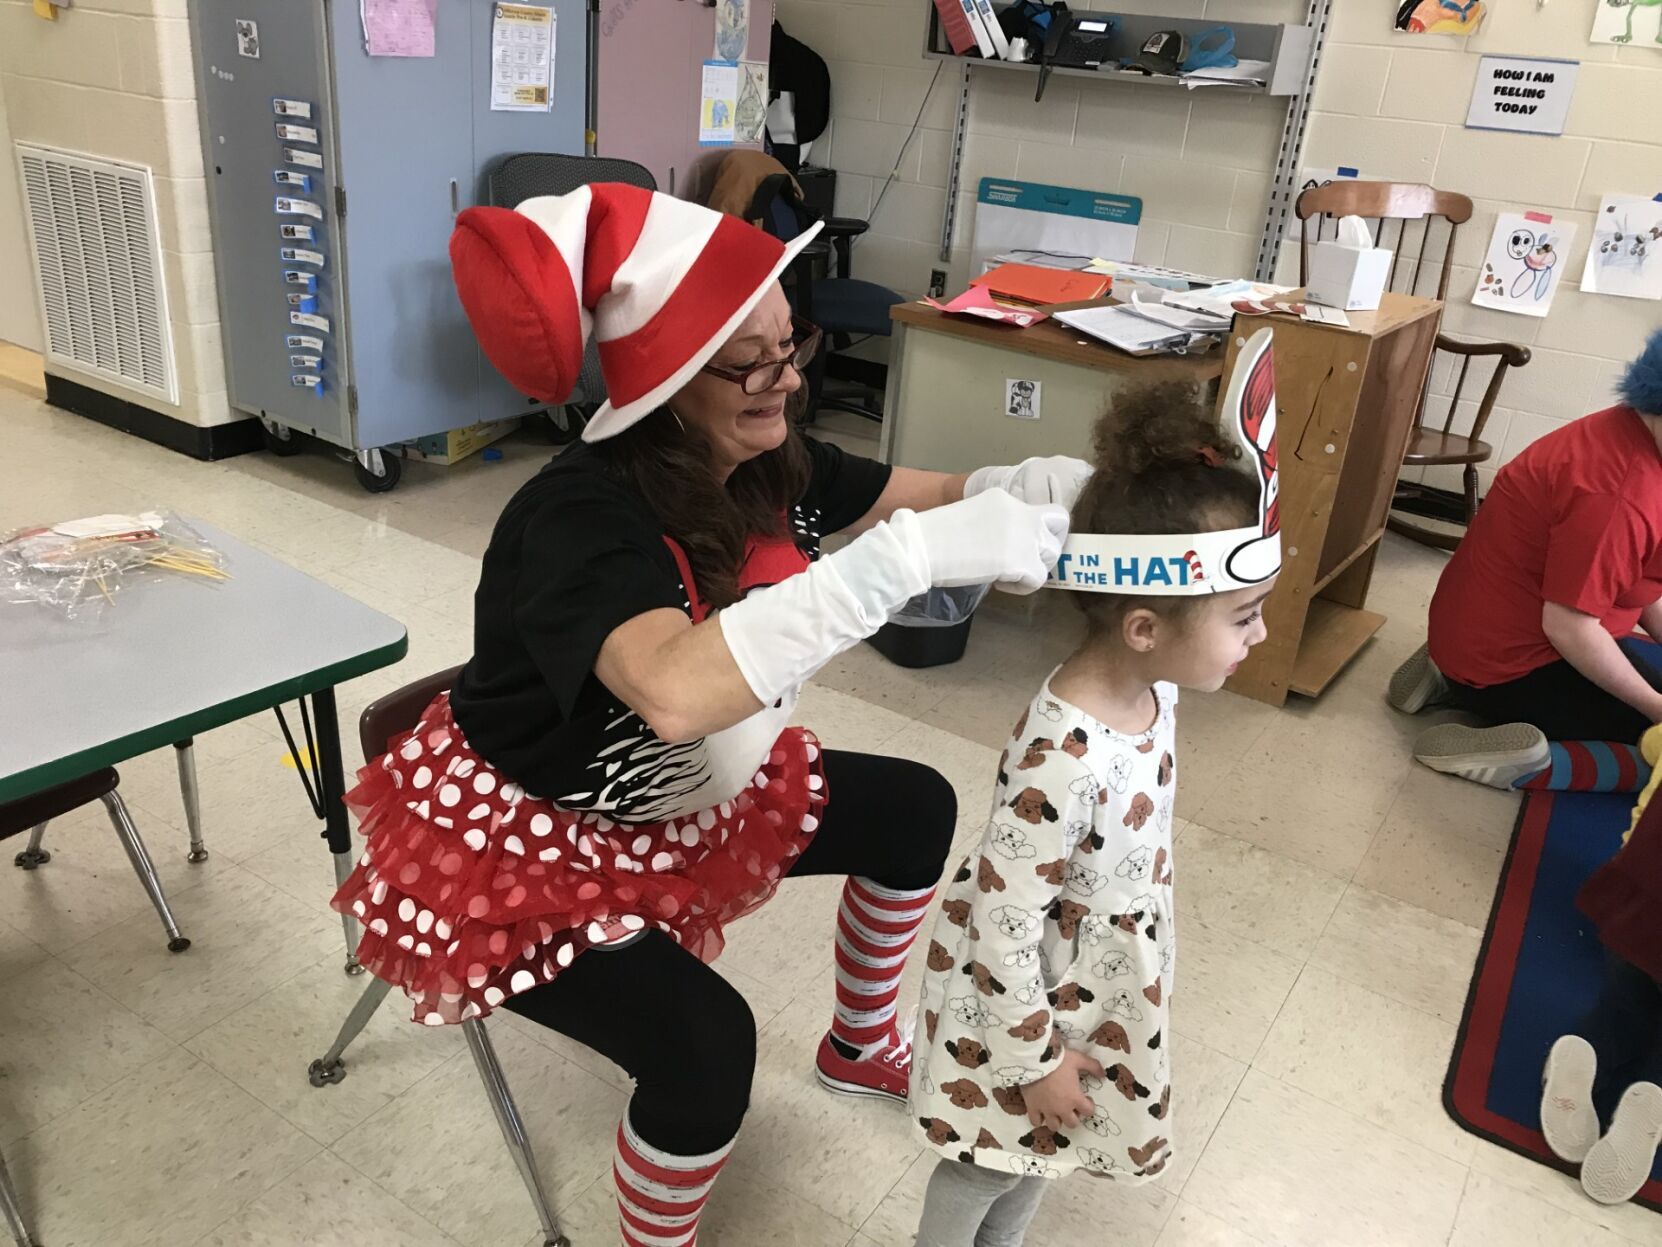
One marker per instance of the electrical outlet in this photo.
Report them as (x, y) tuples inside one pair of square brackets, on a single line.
[(937, 282)]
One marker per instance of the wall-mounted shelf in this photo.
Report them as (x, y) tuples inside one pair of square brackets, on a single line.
[(1292, 51), (1285, 47)]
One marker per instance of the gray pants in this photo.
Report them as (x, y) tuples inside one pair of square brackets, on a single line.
[(969, 1206)]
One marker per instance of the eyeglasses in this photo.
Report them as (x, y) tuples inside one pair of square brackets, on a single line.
[(762, 377)]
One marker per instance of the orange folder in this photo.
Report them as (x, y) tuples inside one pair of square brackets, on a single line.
[(1028, 283)]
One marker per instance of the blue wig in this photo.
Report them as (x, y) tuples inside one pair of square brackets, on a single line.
[(1641, 387)]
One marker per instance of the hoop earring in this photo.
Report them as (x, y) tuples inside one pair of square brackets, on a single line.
[(676, 418)]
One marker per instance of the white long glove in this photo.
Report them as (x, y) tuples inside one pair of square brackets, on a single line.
[(781, 635), (1056, 478)]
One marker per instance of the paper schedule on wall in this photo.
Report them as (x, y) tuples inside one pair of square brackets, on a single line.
[(1625, 257), (1526, 258), (522, 59)]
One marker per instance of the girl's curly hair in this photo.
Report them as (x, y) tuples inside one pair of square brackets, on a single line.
[(1162, 466)]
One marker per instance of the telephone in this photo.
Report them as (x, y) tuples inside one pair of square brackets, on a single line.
[(1085, 41)]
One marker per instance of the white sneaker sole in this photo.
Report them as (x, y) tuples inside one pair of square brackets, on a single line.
[(1416, 684), (1620, 1163), (1568, 1121), (1496, 756), (839, 1087)]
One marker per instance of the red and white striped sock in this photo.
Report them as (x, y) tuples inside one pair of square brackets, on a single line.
[(875, 929), (660, 1195)]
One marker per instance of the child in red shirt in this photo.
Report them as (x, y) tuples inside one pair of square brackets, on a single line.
[(1528, 625)]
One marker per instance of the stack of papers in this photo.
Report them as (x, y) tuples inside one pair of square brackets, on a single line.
[(1222, 300), (1243, 73), (1124, 328), (1153, 275), (1167, 311)]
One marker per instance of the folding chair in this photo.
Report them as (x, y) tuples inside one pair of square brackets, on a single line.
[(32, 814)]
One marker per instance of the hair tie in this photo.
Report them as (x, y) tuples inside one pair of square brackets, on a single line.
[(1209, 456)]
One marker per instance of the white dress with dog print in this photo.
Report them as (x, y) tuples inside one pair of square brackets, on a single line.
[(1058, 931)]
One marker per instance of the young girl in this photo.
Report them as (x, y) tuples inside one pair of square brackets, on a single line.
[(1046, 1003)]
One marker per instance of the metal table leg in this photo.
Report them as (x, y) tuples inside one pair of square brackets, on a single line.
[(184, 753), (337, 827)]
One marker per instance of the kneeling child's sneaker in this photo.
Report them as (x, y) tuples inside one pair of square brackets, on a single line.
[(1497, 756)]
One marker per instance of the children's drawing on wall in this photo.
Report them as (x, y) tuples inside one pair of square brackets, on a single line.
[(1628, 21), (1440, 17), (750, 113), (1626, 254), (1526, 259), (732, 29)]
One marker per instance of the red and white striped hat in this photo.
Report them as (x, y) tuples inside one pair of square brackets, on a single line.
[(661, 283)]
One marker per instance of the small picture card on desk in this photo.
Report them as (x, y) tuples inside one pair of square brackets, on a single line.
[(1023, 400)]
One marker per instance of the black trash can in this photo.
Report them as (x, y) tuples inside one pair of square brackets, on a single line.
[(932, 629)]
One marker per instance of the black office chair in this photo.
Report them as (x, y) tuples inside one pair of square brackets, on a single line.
[(846, 307), (517, 178)]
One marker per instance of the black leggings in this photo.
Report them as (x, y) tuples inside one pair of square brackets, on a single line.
[(1562, 702), (679, 1029), (1625, 1029)]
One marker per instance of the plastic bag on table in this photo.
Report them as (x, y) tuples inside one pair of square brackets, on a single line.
[(78, 564), (941, 608)]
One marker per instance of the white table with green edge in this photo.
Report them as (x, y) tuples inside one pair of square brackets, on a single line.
[(176, 656)]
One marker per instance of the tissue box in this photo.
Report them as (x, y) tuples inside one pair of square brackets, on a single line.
[(1352, 278)]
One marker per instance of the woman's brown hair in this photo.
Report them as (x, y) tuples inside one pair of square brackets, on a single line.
[(1162, 466), (671, 468)]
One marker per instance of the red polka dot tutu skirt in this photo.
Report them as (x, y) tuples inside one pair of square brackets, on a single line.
[(471, 890)]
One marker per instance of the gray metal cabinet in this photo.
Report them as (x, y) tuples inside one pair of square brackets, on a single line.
[(334, 178)]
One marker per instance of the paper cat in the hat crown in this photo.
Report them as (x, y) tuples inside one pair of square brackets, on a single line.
[(1184, 563)]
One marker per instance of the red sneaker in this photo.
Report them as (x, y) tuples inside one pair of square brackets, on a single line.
[(882, 1072)]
